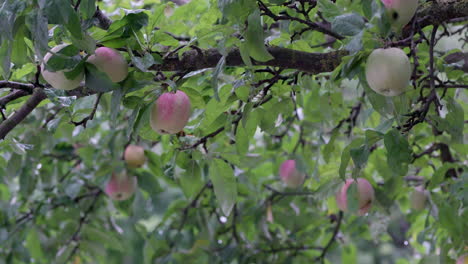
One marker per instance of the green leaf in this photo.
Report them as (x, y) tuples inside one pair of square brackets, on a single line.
[(224, 184), (126, 27), (348, 24), (20, 49), (59, 97), (330, 146), (455, 120), (33, 244), (214, 79), (116, 100), (191, 180), (439, 174), (66, 58), (98, 81), (329, 9), (87, 8), (399, 153), (242, 140), (346, 156), (142, 63), (38, 26), (255, 39), (62, 12), (352, 195), (105, 238), (360, 155)]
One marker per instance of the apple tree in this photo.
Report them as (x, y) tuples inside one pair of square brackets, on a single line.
[(233, 131)]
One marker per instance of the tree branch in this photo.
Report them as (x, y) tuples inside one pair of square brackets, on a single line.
[(7, 125), (332, 239), (17, 85), (85, 120), (314, 63), (13, 95)]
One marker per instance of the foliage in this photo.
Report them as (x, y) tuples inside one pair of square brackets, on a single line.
[(212, 193)]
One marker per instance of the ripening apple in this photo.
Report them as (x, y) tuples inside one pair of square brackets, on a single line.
[(57, 79), (111, 62), (290, 175), (365, 195), (401, 11), (462, 260), (170, 113), (418, 198), (134, 156), (388, 71), (121, 186)]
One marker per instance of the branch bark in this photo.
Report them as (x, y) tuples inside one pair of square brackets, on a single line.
[(7, 125), (284, 58)]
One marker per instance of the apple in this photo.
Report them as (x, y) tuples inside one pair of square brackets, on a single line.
[(57, 79), (290, 175), (365, 195), (462, 260), (121, 186), (401, 11), (388, 71), (418, 198), (170, 113), (134, 156), (111, 62)]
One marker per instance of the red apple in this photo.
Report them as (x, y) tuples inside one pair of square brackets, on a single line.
[(401, 11), (462, 260), (290, 175), (170, 113), (111, 62), (134, 156), (365, 195), (121, 186)]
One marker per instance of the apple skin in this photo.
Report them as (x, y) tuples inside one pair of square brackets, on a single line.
[(134, 156), (365, 193), (401, 11), (418, 198), (170, 113), (462, 260), (290, 175), (111, 62), (57, 79), (388, 71), (121, 186)]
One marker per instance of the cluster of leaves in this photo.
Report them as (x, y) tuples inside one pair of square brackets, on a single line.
[(212, 193)]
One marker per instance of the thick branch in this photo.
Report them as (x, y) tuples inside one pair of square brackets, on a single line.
[(284, 58), (11, 97), (7, 125), (102, 20), (17, 85), (437, 13)]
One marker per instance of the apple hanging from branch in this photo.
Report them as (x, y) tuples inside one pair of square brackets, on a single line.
[(388, 71), (365, 193), (111, 62), (401, 11), (57, 79), (121, 186), (170, 113), (134, 156), (289, 174)]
